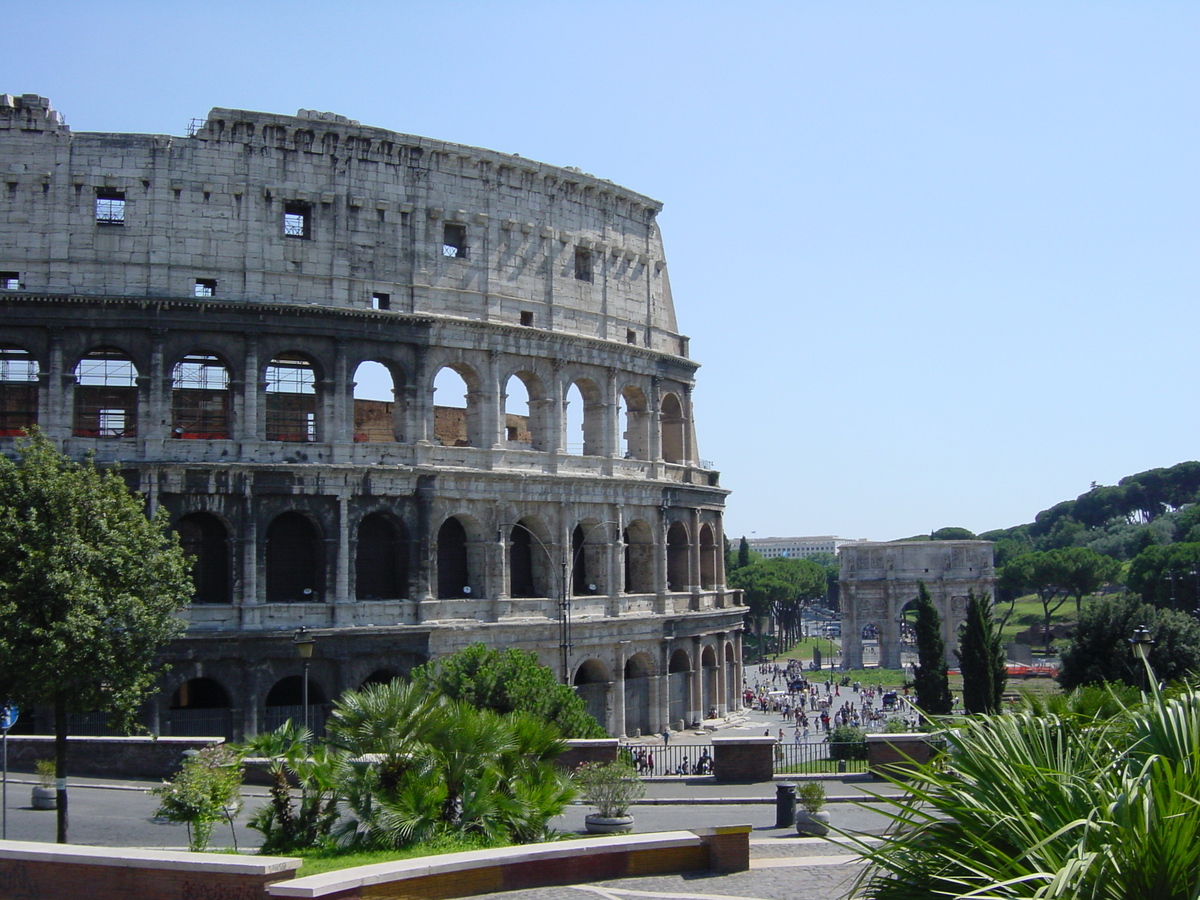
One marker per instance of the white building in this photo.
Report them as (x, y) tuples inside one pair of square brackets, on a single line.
[(799, 547)]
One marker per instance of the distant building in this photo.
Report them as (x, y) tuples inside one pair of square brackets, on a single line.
[(878, 580), (798, 547)]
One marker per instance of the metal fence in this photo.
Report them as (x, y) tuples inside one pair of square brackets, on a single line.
[(790, 759)]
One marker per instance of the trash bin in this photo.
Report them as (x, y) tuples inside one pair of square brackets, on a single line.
[(785, 804)]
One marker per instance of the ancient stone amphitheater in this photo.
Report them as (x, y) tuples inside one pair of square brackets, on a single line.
[(252, 322)]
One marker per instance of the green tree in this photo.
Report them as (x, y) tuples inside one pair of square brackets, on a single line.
[(1100, 652), (931, 681), (507, 681), (953, 533), (90, 590), (1045, 573), (1167, 576), (766, 584), (981, 657), (743, 558), (444, 767), (202, 793)]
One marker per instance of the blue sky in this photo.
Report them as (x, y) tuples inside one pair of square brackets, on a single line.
[(938, 260)]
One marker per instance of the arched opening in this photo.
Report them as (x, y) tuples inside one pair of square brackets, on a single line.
[(286, 701), (380, 559), (635, 439), (517, 414), (637, 694), (708, 683), (671, 424), (453, 570), (106, 395), (588, 575), (200, 398), (374, 404), (199, 707), (18, 391), (679, 671), (591, 684), (677, 558), (205, 541), (380, 676), (733, 699), (455, 411), (291, 402), (639, 558), (708, 558), (295, 560), (583, 419), (526, 566)]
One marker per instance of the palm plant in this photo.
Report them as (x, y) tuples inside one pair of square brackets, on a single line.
[(1049, 805)]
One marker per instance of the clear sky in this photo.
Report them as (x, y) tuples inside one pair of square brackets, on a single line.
[(938, 260)]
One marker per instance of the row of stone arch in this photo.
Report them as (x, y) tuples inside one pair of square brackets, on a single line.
[(207, 399), (385, 557)]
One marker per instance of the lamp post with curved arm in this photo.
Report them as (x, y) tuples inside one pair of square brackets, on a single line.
[(570, 559)]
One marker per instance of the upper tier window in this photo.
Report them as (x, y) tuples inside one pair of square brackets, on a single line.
[(454, 240), (110, 207), (297, 220)]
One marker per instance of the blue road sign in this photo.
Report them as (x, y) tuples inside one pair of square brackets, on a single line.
[(8, 716)]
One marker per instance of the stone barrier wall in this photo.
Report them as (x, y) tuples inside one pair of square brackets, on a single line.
[(108, 757), (743, 758)]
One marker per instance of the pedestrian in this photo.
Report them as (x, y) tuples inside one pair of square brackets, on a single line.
[(666, 736)]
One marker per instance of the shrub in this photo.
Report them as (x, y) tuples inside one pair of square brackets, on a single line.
[(204, 791), (847, 742), (610, 787), (811, 796)]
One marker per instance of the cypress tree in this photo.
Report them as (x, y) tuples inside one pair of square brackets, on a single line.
[(931, 682), (981, 658), (743, 553)]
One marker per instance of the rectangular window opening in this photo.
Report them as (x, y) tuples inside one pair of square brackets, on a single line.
[(297, 220), (381, 301), (527, 319), (630, 336), (583, 264), (454, 240), (110, 207), (205, 287), (10, 281)]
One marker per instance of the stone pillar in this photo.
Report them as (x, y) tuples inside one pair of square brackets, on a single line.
[(618, 689), (610, 409), (689, 434), (250, 426), (616, 564), (339, 419), (696, 700), (53, 390), (491, 408), (342, 591), (248, 596), (720, 701), (738, 673), (660, 700), (694, 551), (556, 420), (158, 399), (660, 569), (655, 412)]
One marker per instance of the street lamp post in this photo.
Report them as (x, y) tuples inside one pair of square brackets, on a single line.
[(1141, 643), (303, 642)]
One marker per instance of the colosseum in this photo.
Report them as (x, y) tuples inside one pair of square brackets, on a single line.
[(252, 322)]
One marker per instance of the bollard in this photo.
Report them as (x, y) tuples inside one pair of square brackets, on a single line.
[(785, 804)]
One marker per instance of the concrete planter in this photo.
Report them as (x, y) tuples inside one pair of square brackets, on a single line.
[(43, 798), (608, 824), (812, 824)]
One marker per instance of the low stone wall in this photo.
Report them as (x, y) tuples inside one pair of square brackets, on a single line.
[(30, 870), (895, 754), (724, 849), (593, 750), (108, 757), (743, 759)]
